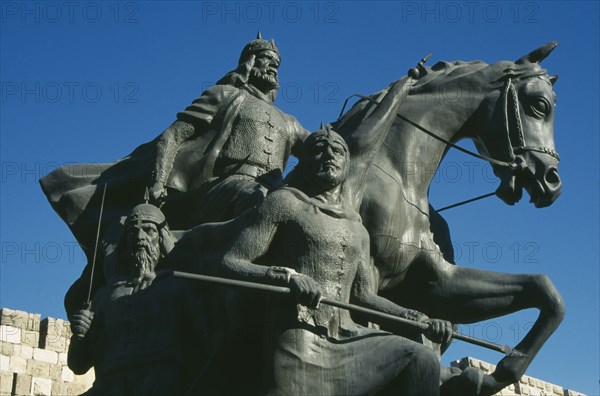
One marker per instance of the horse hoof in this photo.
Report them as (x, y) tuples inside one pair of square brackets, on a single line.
[(491, 386), (512, 367)]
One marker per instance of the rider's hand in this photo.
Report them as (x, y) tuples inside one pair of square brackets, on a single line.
[(439, 331), (414, 315), (306, 290), (81, 322), (158, 192)]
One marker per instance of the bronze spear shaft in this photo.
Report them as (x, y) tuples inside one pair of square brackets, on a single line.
[(351, 307)]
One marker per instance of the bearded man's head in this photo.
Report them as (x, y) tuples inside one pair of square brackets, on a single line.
[(143, 229)]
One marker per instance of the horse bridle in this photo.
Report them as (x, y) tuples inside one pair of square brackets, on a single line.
[(514, 127)]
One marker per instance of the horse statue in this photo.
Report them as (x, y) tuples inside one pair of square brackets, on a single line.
[(507, 109)]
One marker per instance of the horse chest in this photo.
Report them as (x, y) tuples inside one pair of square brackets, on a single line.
[(398, 224)]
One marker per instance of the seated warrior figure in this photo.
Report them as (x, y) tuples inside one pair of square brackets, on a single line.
[(220, 157), (143, 331), (232, 143), (310, 229)]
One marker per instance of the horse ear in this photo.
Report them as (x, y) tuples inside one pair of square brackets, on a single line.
[(553, 79), (538, 54)]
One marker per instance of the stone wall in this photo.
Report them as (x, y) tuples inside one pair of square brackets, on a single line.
[(33, 356), (526, 386)]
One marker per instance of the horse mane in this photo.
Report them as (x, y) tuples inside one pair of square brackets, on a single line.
[(450, 70), (494, 73), (446, 73)]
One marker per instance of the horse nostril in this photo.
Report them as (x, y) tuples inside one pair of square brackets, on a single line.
[(552, 177)]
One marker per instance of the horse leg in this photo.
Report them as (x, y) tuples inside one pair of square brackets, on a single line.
[(466, 295)]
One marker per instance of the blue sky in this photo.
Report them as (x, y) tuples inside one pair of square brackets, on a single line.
[(89, 81)]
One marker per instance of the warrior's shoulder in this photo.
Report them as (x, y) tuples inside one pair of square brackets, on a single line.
[(283, 203), (286, 200), (221, 91)]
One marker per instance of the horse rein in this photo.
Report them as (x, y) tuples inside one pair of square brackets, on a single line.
[(509, 94), (511, 165), (517, 131)]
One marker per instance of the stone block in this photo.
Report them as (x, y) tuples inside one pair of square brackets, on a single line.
[(4, 363), (18, 364), (26, 352), (55, 372), (7, 348), (14, 318), (30, 337), (41, 386), (54, 334), (67, 330), (10, 334), (59, 388), (486, 367), (67, 375), (534, 391), (569, 392), (22, 384), (53, 326), (44, 355), (38, 369), (55, 343), (470, 362), (6, 382), (33, 322), (505, 392), (62, 358)]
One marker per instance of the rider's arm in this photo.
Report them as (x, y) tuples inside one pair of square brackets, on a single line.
[(254, 241), (365, 140), (192, 120), (298, 136), (368, 137)]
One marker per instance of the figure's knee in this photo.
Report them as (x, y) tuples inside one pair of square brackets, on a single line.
[(425, 361)]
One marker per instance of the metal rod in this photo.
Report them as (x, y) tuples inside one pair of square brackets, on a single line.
[(466, 202), (351, 307), (89, 296)]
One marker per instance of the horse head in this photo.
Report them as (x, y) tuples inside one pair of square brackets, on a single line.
[(515, 124)]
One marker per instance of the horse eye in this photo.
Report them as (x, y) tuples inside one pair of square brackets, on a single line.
[(540, 107)]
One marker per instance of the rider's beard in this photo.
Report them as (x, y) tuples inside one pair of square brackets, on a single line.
[(330, 175), (263, 80), (144, 258)]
